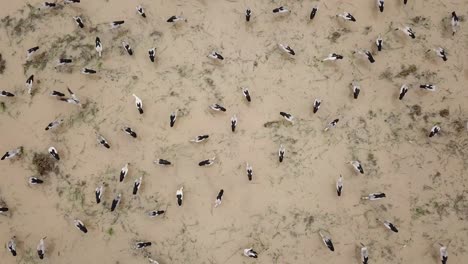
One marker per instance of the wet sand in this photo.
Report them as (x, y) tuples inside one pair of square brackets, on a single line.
[(281, 211)]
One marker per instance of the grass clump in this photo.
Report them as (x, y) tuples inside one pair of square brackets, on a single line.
[(43, 163), (2, 64), (406, 71)]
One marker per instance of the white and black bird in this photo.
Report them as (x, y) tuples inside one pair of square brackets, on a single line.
[(374, 196), (34, 181), (434, 131), (403, 90), (405, 2), (333, 57), (176, 19), (249, 252), (200, 138), (140, 245), (173, 118), (30, 52), (408, 31), (49, 5), (219, 197), (332, 124), (138, 104), (57, 94), (339, 185), (79, 21), (286, 49), (364, 254), (3, 209), (233, 123), (137, 185), (6, 94), (123, 172), (281, 152), (78, 224), (248, 14), (288, 117), (455, 22), (12, 153), (380, 5), (141, 11), (389, 225), (428, 87), (98, 46), (207, 162), (71, 1), (152, 54), (379, 43), (218, 107), (155, 213), (347, 16), (317, 104), (356, 89), (281, 10), (246, 93), (249, 170), (102, 141), (441, 53), (98, 193), (73, 98), (64, 61), (313, 13), (327, 241), (127, 48), (443, 254), (29, 83), (54, 124), (129, 131), (88, 71), (41, 248), (162, 162), (117, 24), (367, 54), (357, 166), (180, 196), (53, 152), (116, 202), (11, 246), (215, 56)]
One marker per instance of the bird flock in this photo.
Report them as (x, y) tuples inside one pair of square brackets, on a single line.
[(72, 98)]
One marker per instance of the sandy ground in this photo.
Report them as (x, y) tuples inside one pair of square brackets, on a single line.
[(281, 211)]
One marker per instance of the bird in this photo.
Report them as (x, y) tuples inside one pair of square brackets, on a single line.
[(173, 118), (219, 197), (339, 185), (389, 225), (71, 1), (155, 213), (327, 241), (285, 48), (11, 246), (249, 252), (88, 71), (123, 172), (317, 104), (34, 180), (248, 14), (379, 43), (141, 11), (116, 24), (443, 254), (455, 22), (98, 193), (333, 57), (428, 87), (54, 124), (246, 93), (347, 16), (408, 31), (41, 248), (403, 91), (129, 131), (79, 21), (207, 162), (152, 261), (78, 224), (216, 56), (98, 46), (127, 48), (380, 5), (356, 89), (12, 153), (102, 141), (249, 170), (281, 152), (162, 162), (137, 185), (313, 13), (49, 5), (57, 94), (281, 10), (116, 202), (233, 123), (73, 99), (3, 209), (140, 245), (434, 131), (139, 104), (199, 139), (367, 54), (374, 196), (441, 53), (64, 61), (357, 166), (6, 94), (364, 254), (175, 19), (405, 2), (53, 152), (180, 196), (332, 124), (30, 52), (29, 83), (152, 54), (288, 117), (217, 107)]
